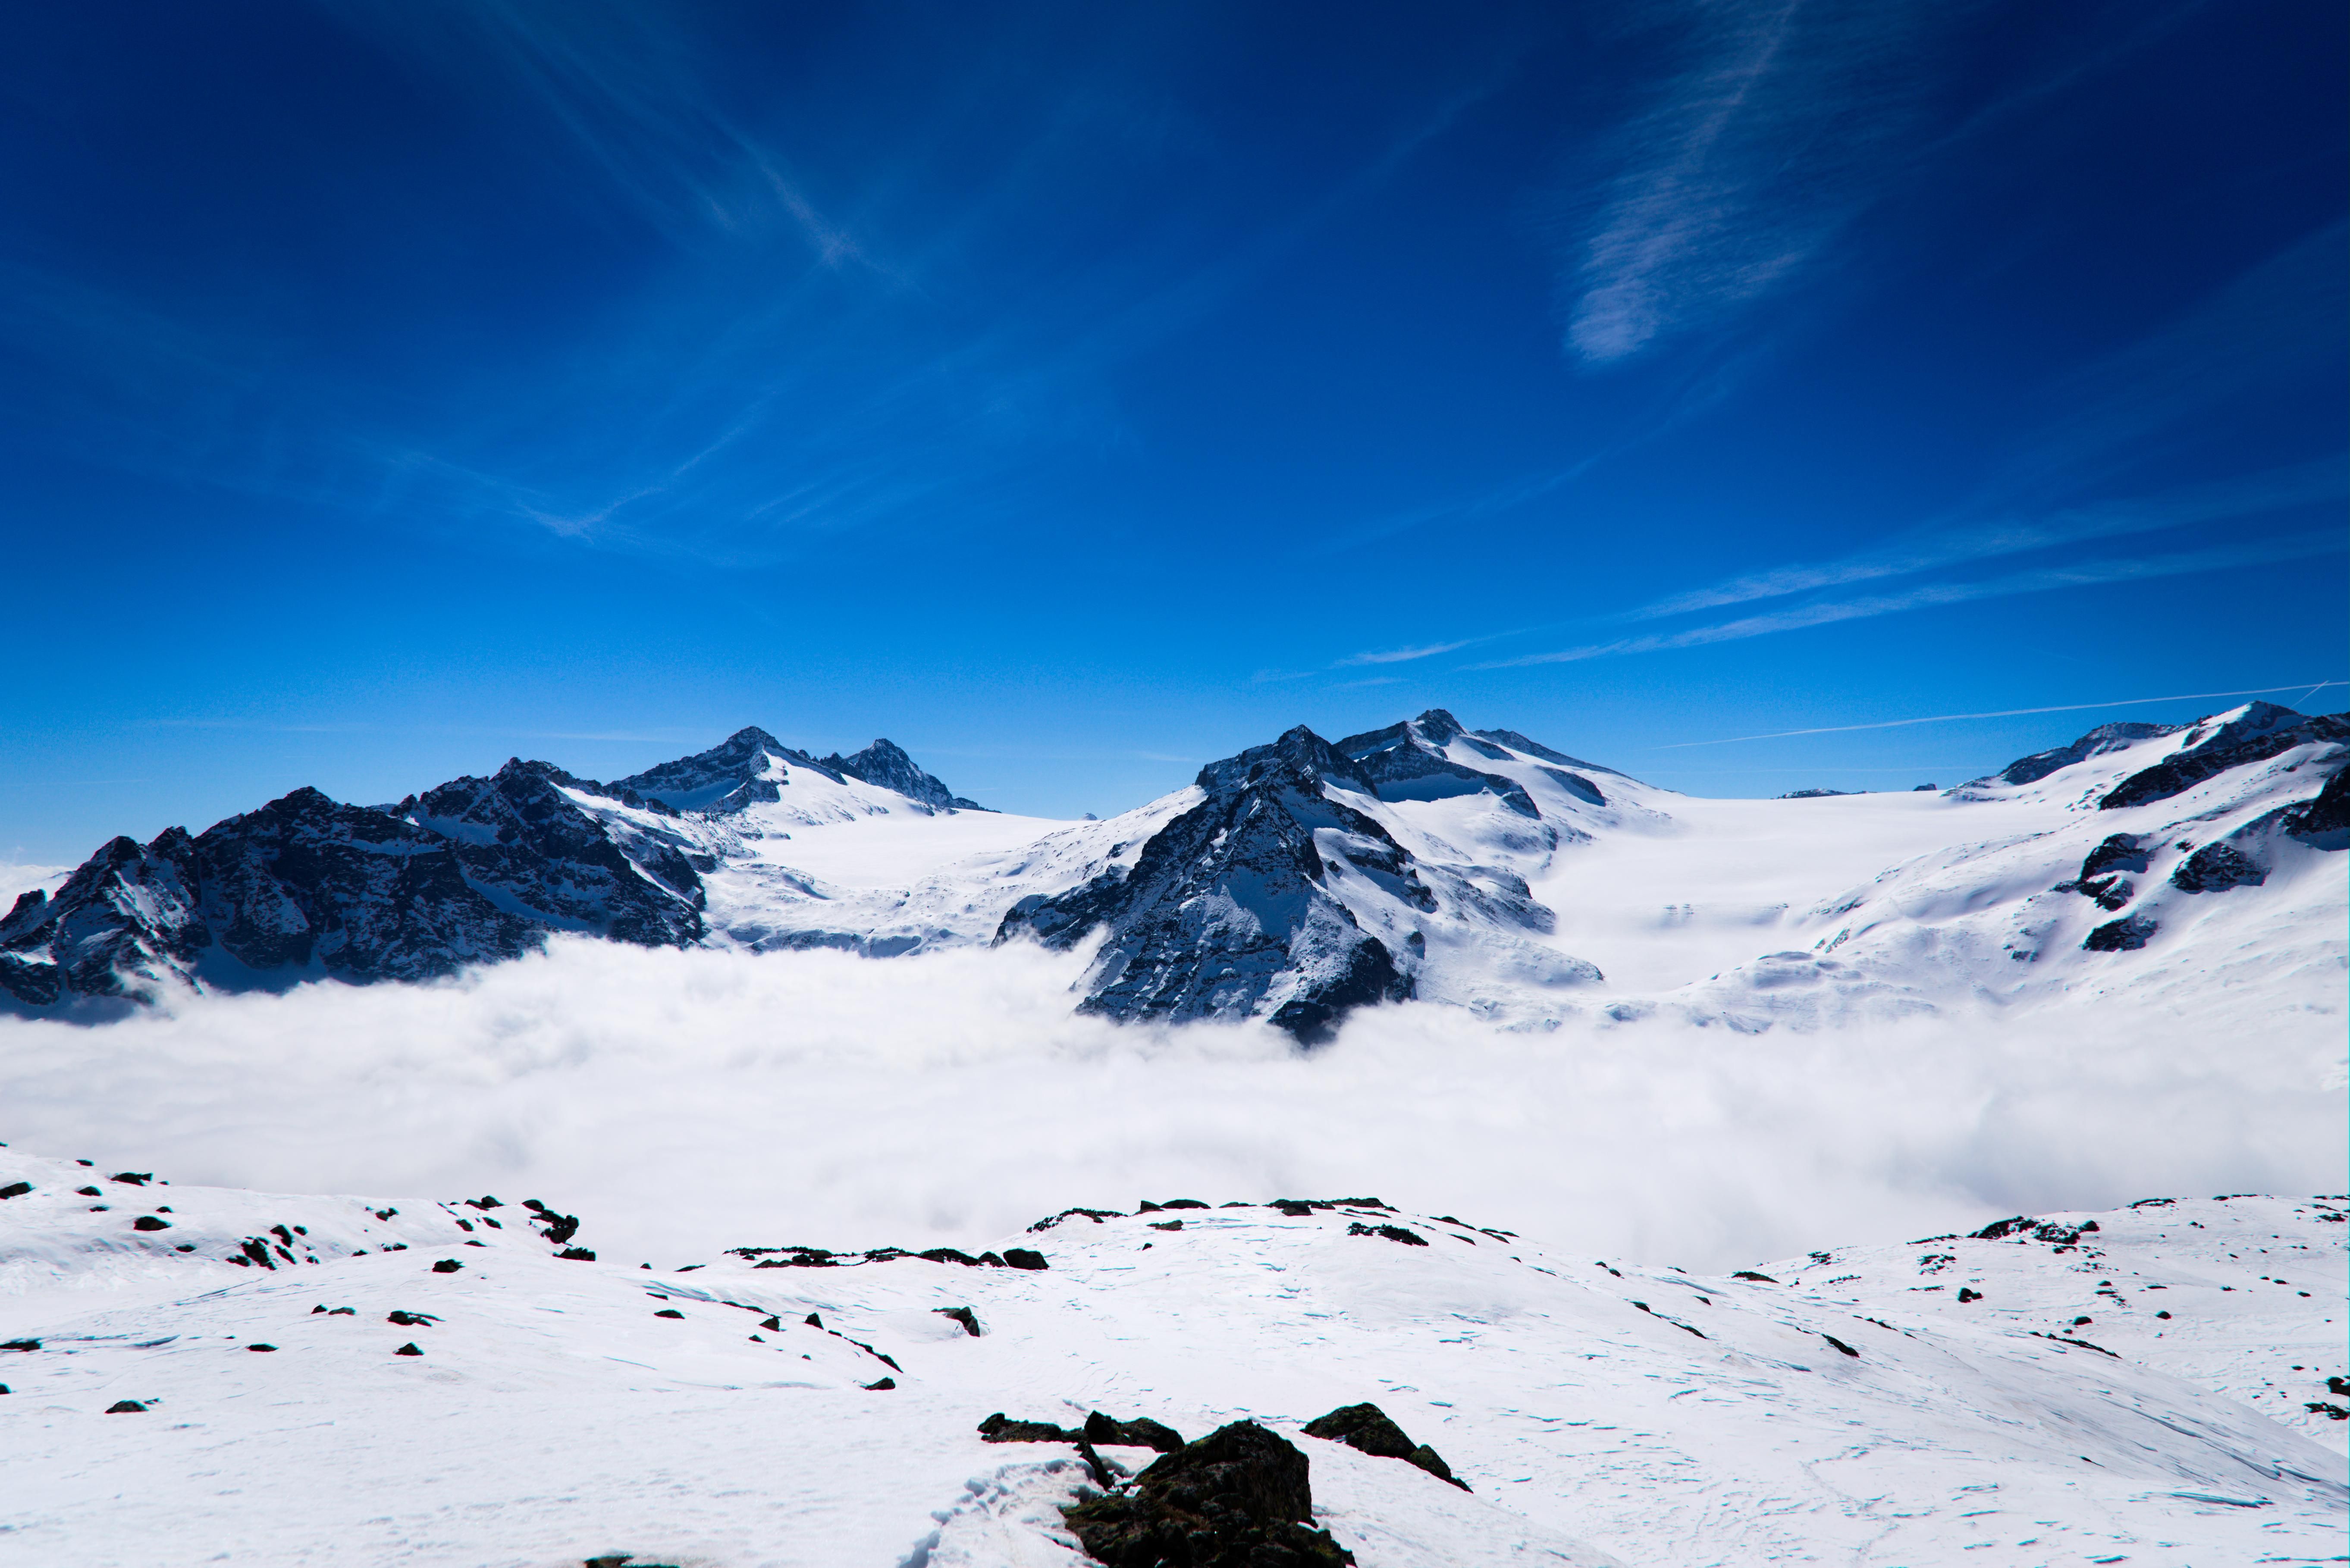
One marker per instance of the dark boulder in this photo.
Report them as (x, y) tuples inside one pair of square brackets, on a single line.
[(2215, 868), (1142, 1432), (2326, 815), (1368, 1429), (1001, 1428), (2119, 852), (2125, 935), (1238, 1498)]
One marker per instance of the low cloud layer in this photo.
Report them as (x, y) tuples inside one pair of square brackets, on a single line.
[(681, 1101)]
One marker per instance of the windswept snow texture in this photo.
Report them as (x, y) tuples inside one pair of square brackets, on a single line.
[(408, 1381), (1299, 881)]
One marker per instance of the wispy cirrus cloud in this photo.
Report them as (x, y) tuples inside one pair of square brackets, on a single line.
[(2249, 495), (2044, 579), (2306, 690), (1406, 655), (1780, 123)]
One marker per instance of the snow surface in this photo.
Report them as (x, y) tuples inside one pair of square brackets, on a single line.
[(1679, 1031), (1602, 1412)]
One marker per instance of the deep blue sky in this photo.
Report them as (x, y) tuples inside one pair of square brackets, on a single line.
[(1076, 394)]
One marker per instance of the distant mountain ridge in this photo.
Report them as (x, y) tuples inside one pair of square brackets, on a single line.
[(1293, 882), (471, 871)]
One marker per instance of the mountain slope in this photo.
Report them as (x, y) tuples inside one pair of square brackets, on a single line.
[(783, 1405), (1297, 880)]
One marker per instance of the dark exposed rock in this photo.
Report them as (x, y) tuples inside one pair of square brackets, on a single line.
[(261, 1347), (410, 1348), (1238, 1498), (447, 1266), (1813, 794), (1406, 761), (1021, 1258), (2215, 868), (1226, 912), (963, 1316), (669, 1312), (1142, 1432), (2119, 852), (1840, 1344), (1518, 742), (1000, 1428), (2264, 730), (727, 777), (126, 1408), (2127, 934), (1368, 1429), (1391, 1233), (1751, 1274), (1095, 1215), (2325, 816), (149, 1222), (885, 764), (2096, 743), (17, 1190), (476, 870)]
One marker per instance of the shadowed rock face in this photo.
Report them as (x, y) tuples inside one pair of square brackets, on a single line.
[(1225, 913), (1241, 1497), (886, 764), (1368, 1429), (726, 777), (2096, 743), (2263, 731), (477, 870), (1406, 761)]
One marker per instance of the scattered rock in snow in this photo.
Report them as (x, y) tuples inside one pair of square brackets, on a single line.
[(1239, 1498), (963, 1316), (2215, 868), (1368, 1429), (1391, 1233), (1142, 1432), (2127, 934), (1000, 1428)]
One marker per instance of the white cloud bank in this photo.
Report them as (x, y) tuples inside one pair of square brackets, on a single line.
[(686, 1101)]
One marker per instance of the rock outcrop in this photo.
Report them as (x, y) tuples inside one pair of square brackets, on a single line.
[(1227, 912)]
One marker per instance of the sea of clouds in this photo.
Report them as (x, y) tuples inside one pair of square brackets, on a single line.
[(681, 1101)]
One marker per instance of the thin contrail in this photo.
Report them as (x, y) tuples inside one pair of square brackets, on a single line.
[(2004, 713)]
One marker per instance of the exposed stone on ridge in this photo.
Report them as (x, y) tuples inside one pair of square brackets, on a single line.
[(885, 764), (1239, 1498), (1368, 1429), (2260, 731), (1225, 913)]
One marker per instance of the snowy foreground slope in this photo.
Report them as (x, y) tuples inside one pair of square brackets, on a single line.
[(2160, 1385), (2196, 867)]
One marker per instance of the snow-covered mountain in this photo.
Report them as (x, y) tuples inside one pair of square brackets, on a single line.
[(1293, 882), (197, 1374)]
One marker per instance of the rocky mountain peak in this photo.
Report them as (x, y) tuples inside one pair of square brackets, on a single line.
[(885, 764)]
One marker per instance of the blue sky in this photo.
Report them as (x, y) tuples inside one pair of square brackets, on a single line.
[(1076, 394)]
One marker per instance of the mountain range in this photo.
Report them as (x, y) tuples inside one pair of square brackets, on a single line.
[(1294, 882)]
